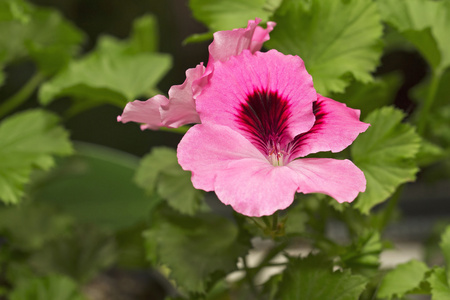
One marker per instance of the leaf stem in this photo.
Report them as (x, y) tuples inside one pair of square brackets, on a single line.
[(22, 95), (275, 221), (435, 79), (179, 130)]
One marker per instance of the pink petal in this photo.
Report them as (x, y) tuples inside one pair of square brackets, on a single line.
[(255, 187), (180, 110), (260, 36), (207, 149), (232, 42), (336, 127), (235, 80), (146, 112), (340, 179)]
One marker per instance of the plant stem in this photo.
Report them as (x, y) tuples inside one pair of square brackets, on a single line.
[(22, 95), (275, 221), (180, 130), (435, 79)]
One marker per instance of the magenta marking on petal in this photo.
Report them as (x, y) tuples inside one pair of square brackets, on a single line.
[(300, 139), (264, 119)]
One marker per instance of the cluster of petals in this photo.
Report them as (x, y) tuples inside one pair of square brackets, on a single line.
[(179, 109), (259, 117)]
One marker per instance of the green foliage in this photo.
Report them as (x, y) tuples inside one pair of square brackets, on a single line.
[(336, 39), (229, 14), (445, 247), (115, 73), (385, 153), (96, 185), (89, 212), (159, 171), (32, 226), (52, 287), (404, 278), (440, 289), (194, 247), (370, 96), (39, 33), (14, 10), (363, 255), (313, 278), (28, 141), (82, 254), (425, 24)]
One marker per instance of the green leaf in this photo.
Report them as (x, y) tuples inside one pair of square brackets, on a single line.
[(82, 254), (160, 170), (439, 284), (425, 24), (312, 278), (28, 141), (42, 29), (370, 96), (143, 39), (385, 153), (403, 279), (53, 287), (14, 10), (445, 247), (230, 14), (114, 79), (115, 72), (96, 185), (364, 254), (31, 225), (194, 247), (296, 220), (336, 39)]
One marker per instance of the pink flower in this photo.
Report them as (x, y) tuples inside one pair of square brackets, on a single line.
[(180, 109), (259, 114)]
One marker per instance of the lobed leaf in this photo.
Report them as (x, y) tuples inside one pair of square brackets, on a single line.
[(159, 171), (39, 33), (445, 247), (53, 287), (385, 153), (28, 141), (113, 79), (425, 24), (403, 279), (440, 289), (194, 248), (95, 185), (335, 38), (115, 72), (230, 14), (312, 278)]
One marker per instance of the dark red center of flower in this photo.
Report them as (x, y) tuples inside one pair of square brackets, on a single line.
[(263, 118)]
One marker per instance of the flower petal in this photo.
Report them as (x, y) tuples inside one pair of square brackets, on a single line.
[(335, 128), (207, 149), (146, 112), (256, 188), (180, 109), (340, 179), (235, 80), (232, 42), (229, 43)]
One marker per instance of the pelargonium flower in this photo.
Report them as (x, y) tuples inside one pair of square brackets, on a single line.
[(180, 109), (260, 116)]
